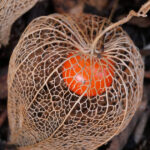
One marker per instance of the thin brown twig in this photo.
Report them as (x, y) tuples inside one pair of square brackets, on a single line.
[(141, 13), (113, 9)]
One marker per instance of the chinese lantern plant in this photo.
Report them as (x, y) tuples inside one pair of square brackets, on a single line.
[(74, 82)]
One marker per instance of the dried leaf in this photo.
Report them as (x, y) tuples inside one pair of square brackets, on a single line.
[(10, 11)]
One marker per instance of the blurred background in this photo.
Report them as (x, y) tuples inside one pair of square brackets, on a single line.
[(137, 135)]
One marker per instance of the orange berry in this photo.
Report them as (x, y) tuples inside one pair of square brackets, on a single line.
[(86, 76)]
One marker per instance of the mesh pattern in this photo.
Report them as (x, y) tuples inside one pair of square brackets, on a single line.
[(45, 109), (10, 11)]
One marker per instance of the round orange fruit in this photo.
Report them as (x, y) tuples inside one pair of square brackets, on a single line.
[(87, 76)]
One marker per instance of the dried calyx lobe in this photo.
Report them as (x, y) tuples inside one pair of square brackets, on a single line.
[(45, 107), (10, 11)]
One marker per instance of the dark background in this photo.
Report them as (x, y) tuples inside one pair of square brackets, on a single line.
[(139, 31)]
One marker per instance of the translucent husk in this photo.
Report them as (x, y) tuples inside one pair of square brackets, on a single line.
[(43, 112)]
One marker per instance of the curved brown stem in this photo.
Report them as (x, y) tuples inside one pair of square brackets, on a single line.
[(141, 13)]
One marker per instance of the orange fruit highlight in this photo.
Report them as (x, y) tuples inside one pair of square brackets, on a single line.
[(85, 76)]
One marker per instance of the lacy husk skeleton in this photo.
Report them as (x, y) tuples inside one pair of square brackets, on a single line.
[(43, 112)]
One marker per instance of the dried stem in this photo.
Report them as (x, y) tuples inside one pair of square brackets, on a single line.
[(113, 9), (141, 13)]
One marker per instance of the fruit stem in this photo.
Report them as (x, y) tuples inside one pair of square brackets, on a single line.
[(141, 13)]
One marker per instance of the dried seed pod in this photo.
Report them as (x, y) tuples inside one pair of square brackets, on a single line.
[(46, 110), (10, 11)]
